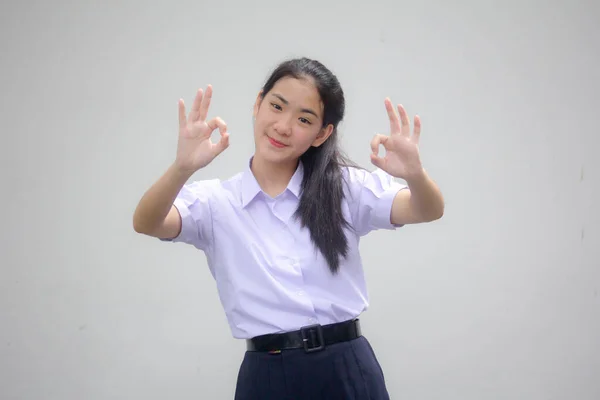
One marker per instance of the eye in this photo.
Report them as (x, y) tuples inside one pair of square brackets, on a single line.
[(305, 121), (276, 106)]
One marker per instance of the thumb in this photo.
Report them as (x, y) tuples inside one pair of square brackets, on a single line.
[(222, 144)]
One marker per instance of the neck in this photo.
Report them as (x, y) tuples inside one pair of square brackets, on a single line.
[(272, 178)]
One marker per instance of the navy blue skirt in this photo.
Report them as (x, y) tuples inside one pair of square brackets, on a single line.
[(347, 370)]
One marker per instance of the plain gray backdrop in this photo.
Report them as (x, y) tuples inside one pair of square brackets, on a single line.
[(500, 299)]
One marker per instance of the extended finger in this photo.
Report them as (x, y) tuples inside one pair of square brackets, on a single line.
[(194, 111), (404, 120), (182, 121), (394, 120), (376, 141), (205, 103), (417, 130)]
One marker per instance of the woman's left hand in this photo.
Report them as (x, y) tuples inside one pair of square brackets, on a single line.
[(401, 157)]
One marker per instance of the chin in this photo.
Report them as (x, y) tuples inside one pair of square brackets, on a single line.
[(273, 157), (268, 153)]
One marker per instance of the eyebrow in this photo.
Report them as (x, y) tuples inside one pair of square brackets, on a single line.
[(304, 110)]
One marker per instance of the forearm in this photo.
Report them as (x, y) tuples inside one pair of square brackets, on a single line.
[(158, 200), (426, 199)]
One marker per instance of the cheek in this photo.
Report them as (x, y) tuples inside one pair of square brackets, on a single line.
[(264, 119), (259, 124), (305, 136)]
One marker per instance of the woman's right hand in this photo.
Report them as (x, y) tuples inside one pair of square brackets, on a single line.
[(195, 150)]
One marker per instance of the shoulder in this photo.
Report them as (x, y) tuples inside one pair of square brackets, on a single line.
[(202, 188), (233, 183), (208, 188), (357, 178)]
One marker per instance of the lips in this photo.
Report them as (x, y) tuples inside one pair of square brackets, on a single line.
[(276, 143)]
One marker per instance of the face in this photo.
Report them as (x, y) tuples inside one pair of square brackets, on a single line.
[(289, 120)]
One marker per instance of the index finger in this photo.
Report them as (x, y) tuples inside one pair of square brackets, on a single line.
[(394, 120)]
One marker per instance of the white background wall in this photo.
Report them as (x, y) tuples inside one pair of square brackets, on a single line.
[(498, 300)]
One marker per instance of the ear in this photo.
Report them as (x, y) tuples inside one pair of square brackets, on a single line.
[(323, 135), (257, 103)]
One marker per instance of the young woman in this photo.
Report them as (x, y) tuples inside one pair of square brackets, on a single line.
[(281, 238)]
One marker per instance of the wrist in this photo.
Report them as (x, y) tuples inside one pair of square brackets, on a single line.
[(417, 176), (180, 173)]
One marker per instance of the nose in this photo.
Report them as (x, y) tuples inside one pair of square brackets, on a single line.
[(283, 126)]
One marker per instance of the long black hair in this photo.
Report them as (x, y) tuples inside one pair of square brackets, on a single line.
[(320, 207)]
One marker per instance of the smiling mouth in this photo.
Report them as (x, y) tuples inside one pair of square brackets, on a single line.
[(276, 143)]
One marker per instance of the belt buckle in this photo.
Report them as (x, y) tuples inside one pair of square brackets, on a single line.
[(307, 336)]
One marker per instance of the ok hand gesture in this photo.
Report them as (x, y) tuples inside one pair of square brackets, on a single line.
[(401, 157), (195, 150)]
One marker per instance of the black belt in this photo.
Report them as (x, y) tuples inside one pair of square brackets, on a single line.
[(310, 338)]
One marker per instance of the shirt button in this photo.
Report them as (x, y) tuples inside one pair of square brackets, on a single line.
[(301, 293)]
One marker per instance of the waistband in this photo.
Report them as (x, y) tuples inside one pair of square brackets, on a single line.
[(311, 338)]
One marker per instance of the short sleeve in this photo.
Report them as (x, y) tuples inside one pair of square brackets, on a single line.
[(370, 199), (194, 205)]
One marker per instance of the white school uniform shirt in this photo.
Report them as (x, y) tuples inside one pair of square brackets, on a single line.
[(270, 277)]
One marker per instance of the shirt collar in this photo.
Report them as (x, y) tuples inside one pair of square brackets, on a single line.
[(250, 187)]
